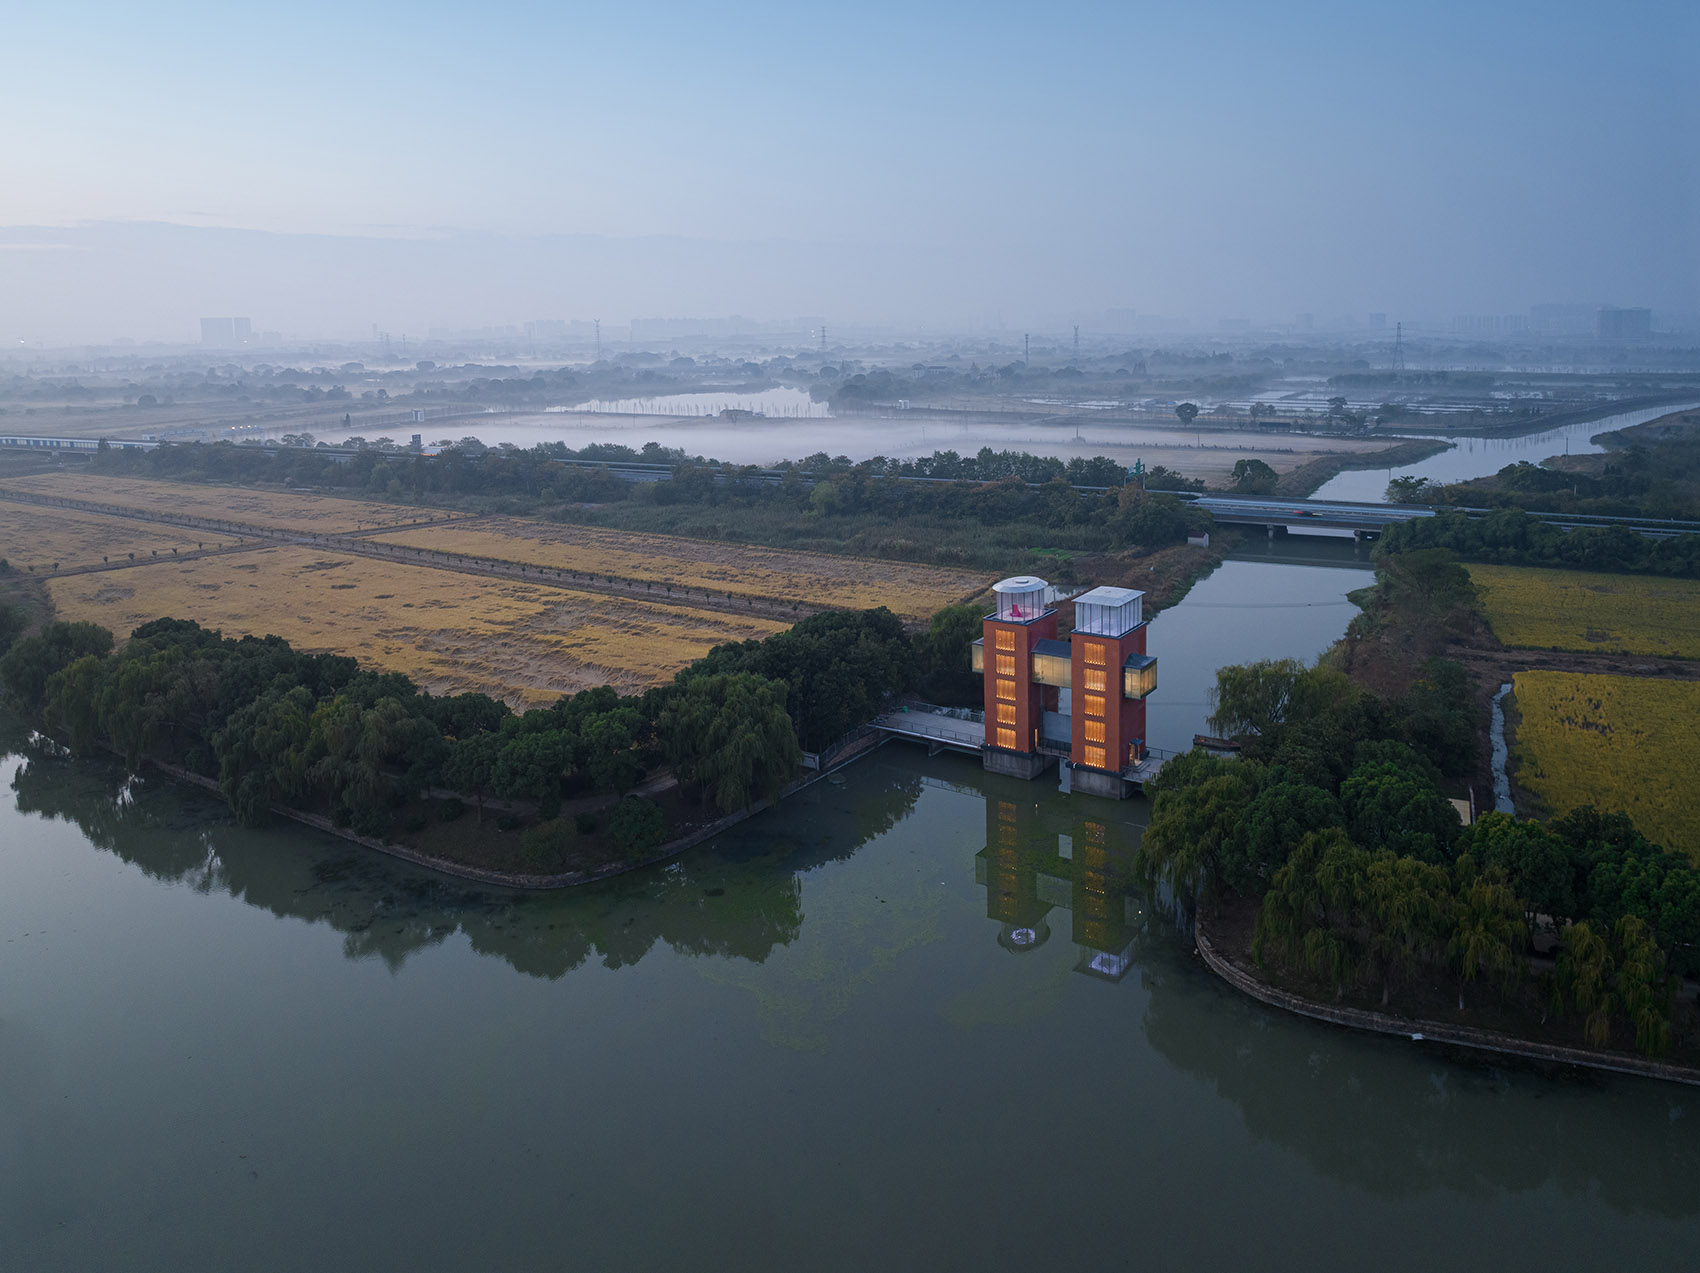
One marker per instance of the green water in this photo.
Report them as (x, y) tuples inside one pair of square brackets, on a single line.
[(916, 1018)]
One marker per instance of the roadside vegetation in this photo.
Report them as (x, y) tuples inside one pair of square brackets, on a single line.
[(995, 510)]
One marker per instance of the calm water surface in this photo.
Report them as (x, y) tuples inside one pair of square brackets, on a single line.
[(1478, 457), (915, 1018)]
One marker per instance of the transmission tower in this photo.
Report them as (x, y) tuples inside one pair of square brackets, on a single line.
[(1077, 344), (823, 340), (1026, 348), (1398, 349), (598, 323)]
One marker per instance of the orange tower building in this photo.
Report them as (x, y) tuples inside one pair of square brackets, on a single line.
[(1015, 699), (1104, 668)]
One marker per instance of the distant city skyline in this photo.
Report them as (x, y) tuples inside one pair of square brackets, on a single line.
[(953, 164)]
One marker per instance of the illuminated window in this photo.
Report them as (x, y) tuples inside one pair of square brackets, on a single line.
[(1095, 757), (1006, 689), (1095, 653), (1006, 713), (1094, 679), (1094, 704), (1006, 739), (1006, 639), (1006, 665), (1094, 731)]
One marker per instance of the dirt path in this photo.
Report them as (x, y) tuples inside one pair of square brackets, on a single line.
[(355, 543)]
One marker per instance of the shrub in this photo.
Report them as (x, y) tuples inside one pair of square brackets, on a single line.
[(451, 809), (546, 844), (585, 822), (508, 822), (636, 827)]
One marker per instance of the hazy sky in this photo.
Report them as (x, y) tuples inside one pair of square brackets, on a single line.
[(937, 161)]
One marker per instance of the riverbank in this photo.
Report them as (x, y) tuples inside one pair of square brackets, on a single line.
[(1232, 963), (532, 881), (1304, 480)]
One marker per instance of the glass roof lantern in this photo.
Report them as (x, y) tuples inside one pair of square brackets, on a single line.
[(1021, 598), (1108, 612)]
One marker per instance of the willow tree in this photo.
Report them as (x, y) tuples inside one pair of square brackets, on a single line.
[(729, 736)]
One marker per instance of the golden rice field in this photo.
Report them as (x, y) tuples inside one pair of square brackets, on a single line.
[(275, 510), (1624, 743), (523, 642), (32, 536), (856, 583), (1577, 610)]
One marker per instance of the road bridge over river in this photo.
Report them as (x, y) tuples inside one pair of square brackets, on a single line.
[(1371, 519)]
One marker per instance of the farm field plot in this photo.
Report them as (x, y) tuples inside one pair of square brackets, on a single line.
[(33, 536), (1624, 743), (275, 510), (526, 643), (858, 583), (1599, 613)]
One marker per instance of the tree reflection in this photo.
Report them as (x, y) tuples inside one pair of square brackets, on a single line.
[(739, 900), (1382, 1115)]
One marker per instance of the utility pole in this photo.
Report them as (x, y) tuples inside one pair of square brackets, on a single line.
[(823, 340), (1077, 344), (1398, 349), (598, 323), (1026, 348)]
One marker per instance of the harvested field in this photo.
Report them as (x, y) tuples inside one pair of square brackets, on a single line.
[(274, 510), (1624, 743), (1591, 613), (858, 583), (33, 536), (523, 642)]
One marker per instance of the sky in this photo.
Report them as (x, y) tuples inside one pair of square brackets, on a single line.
[(326, 167)]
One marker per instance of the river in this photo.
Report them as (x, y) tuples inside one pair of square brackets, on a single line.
[(1470, 457), (917, 1017)]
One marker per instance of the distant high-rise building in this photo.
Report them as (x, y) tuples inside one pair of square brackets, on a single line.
[(1612, 323), (1562, 320), (226, 333)]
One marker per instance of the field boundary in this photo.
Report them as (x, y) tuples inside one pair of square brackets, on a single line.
[(356, 544)]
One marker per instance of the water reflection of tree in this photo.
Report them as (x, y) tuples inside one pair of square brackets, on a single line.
[(1380, 1116), (738, 900)]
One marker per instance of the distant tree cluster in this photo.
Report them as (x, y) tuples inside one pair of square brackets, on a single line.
[(1512, 537)]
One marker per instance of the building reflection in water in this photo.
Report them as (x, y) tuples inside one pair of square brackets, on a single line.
[(1034, 865)]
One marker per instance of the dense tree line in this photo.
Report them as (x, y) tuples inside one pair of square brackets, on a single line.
[(1335, 821), (1512, 537), (275, 726), (994, 508)]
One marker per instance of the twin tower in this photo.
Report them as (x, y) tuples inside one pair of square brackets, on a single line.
[(1080, 700)]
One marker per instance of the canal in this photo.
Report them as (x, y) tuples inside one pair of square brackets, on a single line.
[(917, 1017)]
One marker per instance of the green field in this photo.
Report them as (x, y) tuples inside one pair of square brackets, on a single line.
[(1595, 613), (1625, 743)]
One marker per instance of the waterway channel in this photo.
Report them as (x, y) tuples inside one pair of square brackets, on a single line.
[(1470, 457), (916, 1017)]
